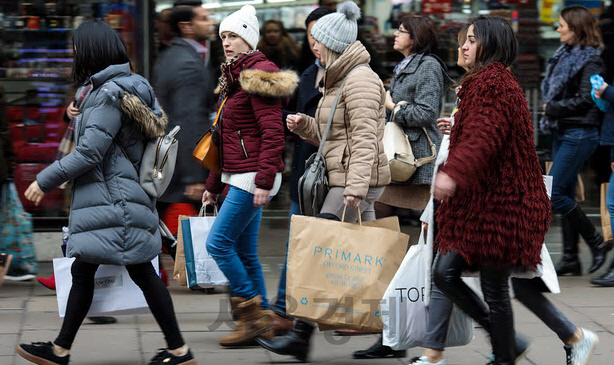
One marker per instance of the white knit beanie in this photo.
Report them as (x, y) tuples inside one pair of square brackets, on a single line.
[(338, 30), (243, 23)]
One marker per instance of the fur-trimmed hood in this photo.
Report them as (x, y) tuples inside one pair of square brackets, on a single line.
[(280, 84), (152, 122)]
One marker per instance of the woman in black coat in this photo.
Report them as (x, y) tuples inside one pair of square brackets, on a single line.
[(572, 117)]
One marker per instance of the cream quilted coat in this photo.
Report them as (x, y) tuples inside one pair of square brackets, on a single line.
[(353, 150)]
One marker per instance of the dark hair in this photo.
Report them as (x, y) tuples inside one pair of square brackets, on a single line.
[(422, 31), (306, 56), (97, 46), (278, 23), (317, 14), (584, 26), (188, 3), (182, 13), (462, 35), (495, 40)]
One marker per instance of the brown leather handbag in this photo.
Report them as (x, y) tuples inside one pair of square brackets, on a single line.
[(207, 151)]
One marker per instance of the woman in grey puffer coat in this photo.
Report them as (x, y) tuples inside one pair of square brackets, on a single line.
[(112, 219), (418, 85)]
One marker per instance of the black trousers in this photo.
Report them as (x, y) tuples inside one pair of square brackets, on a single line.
[(144, 275), (496, 318)]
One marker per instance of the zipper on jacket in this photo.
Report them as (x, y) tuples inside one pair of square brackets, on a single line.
[(242, 144)]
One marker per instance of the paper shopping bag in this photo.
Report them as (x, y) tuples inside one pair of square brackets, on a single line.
[(337, 272), (404, 310), (115, 293), (606, 224), (202, 270), (179, 272)]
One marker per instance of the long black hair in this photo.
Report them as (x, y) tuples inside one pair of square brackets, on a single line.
[(96, 46), (496, 42)]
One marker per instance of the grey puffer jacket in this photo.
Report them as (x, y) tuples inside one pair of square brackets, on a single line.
[(112, 219), (422, 83)]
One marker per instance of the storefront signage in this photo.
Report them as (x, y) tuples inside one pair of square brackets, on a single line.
[(436, 6)]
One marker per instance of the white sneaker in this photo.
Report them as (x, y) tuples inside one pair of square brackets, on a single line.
[(578, 353), (424, 360)]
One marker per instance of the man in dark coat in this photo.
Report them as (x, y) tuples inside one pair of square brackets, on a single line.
[(7, 155), (184, 85)]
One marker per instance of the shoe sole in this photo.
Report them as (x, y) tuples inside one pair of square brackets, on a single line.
[(368, 357), (189, 362), (247, 341), (32, 358)]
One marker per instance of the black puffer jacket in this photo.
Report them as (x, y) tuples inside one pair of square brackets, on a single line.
[(307, 102), (574, 108)]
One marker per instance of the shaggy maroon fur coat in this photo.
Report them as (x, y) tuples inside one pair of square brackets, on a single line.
[(500, 212)]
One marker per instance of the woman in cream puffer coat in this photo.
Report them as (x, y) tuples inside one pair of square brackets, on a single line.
[(356, 164)]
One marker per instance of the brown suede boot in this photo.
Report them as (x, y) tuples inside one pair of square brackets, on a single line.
[(252, 321)]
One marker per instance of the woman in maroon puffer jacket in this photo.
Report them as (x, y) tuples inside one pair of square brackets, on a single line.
[(251, 142), (495, 211)]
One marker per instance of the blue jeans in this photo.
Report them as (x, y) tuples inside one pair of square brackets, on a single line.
[(570, 150), (609, 199), (280, 303), (233, 244)]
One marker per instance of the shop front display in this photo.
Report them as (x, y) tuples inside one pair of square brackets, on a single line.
[(35, 72)]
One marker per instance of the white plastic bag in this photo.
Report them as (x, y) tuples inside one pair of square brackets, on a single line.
[(115, 292), (404, 311), (202, 270)]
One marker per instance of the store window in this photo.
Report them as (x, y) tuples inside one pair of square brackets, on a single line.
[(35, 65)]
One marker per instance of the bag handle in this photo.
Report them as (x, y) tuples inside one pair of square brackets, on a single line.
[(202, 212), (332, 113), (419, 161), (343, 214), (219, 111)]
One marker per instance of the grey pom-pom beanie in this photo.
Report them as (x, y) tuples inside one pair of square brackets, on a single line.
[(338, 30)]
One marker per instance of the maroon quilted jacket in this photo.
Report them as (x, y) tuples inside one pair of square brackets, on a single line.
[(251, 127), (500, 212)]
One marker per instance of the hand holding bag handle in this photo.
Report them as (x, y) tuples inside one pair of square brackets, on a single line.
[(207, 150)]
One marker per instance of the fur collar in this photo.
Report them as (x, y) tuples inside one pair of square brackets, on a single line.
[(152, 124), (269, 84)]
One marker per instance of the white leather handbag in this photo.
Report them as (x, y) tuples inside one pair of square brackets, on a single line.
[(403, 164)]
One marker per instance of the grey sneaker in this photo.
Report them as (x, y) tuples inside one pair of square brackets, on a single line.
[(578, 353)]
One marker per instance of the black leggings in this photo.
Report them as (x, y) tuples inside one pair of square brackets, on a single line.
[(144, 275), (496, 318)]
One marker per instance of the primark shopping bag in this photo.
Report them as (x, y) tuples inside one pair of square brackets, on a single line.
[(114, 291), (404, 311), (201, 268), (338, 272)]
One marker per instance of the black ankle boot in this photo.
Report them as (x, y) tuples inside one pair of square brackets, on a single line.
[(379, 351), (593, 239), (606, 279), (570, 263), (294, 343)]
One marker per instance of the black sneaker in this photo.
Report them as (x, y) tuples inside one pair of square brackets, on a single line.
[(163, 357), (41, 353)]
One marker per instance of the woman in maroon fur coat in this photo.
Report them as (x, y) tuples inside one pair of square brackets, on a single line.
[(494, 212)]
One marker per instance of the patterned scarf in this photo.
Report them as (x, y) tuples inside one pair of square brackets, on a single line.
[(67, 144), (224, 85), (562, 67)]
